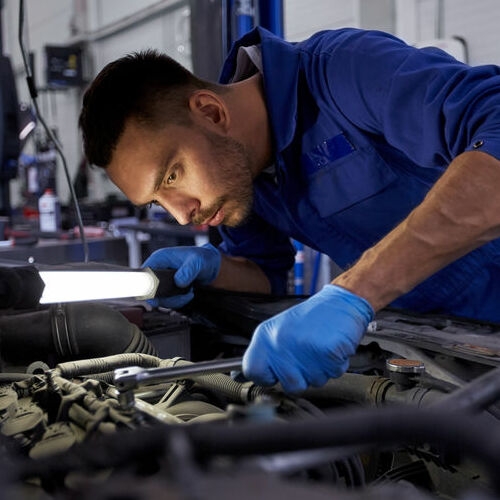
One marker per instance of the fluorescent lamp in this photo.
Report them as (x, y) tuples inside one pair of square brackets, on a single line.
[(76, 286)]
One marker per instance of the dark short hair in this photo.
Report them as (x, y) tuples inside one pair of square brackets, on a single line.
[(148, 86)]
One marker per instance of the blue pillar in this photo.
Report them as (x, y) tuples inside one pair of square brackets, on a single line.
[(244, 15), (271, 16), (241, 17)]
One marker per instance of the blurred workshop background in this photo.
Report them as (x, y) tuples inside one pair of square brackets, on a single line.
[(67, 42)]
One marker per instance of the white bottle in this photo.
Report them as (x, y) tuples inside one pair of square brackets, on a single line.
[(49, 211)]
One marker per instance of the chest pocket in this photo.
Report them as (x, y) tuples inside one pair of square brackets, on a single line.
[(339, 175)]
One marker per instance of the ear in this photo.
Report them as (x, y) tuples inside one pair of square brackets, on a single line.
[(209, 109)]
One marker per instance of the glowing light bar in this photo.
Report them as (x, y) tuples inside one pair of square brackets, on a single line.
[(76, 286)]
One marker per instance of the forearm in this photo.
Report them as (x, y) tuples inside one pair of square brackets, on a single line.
[(459, 214), (241, 275)]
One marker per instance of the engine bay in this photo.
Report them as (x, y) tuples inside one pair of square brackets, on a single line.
[(113, 400)]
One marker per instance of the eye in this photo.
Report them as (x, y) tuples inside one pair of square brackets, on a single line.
[(171, 178), (151, 203)]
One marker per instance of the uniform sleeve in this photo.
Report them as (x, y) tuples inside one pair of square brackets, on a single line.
[(263, 244), (422, 101)]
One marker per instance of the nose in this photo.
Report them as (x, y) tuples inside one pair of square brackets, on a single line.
[(181, 208)]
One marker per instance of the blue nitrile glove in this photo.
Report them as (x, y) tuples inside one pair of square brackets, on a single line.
[(200, 264), (310, 342)]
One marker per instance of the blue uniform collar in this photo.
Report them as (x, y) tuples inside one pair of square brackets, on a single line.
[(278, 58)]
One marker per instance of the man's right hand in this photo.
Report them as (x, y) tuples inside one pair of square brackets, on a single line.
[(194, 264)]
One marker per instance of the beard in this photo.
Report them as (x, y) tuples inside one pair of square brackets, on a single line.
[(235, 181)]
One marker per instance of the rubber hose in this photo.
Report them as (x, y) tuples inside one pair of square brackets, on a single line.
[(235, 391), (382, 427), (72, 369), (20, 287), (69, 331), (477, 395), (377, 427), (371, 389)]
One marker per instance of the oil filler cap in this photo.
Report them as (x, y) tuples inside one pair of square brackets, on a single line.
[(408, 366), (404, 373)]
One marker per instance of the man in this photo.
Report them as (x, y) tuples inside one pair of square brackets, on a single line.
[(383, 156)]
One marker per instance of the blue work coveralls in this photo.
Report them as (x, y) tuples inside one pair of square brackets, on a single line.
[(363, 125)]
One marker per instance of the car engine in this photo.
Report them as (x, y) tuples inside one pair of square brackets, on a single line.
[(114, 400)]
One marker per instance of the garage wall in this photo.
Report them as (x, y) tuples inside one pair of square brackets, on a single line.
[(475, 22), (111, 28), (303, 18), (108, 29)]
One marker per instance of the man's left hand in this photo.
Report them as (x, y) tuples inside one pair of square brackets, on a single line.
[(308, 343)]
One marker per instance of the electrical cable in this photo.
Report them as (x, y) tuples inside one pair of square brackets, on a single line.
[(34, 94), (477, 395)]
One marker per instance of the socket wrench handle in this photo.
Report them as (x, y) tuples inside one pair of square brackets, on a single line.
[(131, 377)]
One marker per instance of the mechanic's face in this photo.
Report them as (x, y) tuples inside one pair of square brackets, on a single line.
[(195, 174)]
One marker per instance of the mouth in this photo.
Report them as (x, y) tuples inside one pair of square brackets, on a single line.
[(216, 219)]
